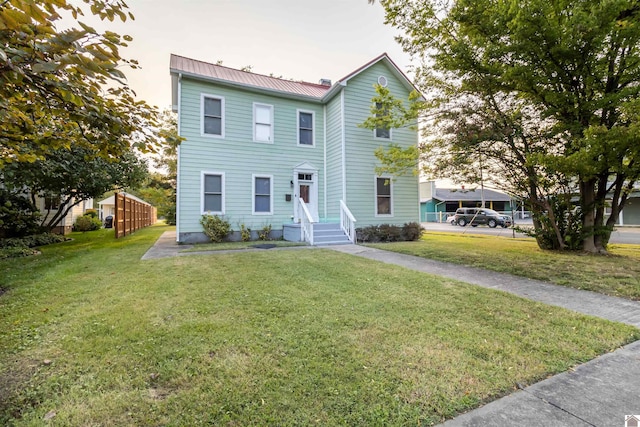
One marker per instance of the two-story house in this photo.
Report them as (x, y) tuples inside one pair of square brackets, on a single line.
[(264, 151)]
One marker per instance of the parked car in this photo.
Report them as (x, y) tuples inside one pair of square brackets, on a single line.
[(481, 216)]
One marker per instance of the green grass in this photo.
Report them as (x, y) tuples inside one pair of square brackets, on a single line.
[(233, 246), (264, 338), (617, 274)]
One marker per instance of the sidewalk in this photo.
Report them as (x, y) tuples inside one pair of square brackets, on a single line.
[(598, 393)]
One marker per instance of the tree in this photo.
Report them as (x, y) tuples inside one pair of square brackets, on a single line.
[(70, 176), (545, 90), (64, 88), (160, 188)]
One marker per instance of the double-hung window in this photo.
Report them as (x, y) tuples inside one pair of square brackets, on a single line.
[(262, 122), (384, 200), (212, 116), (213, 192), (262, 192), (381, 132), (305, 128)]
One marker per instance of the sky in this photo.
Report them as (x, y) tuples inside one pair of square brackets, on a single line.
[(296, 39)]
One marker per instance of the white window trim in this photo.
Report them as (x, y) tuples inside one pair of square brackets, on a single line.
[(375, 191), (313, 127), (222, 112), (260, 104), (253, 194), (222, 186)]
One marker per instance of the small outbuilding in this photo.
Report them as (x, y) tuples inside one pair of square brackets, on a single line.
[(436, 204)]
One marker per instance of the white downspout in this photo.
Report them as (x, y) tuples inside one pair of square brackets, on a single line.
[(344, 148), (324, 174), (178, 161)]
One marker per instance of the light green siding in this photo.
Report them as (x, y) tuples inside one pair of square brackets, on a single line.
[(334, 157), (360, 158), (239, 157)]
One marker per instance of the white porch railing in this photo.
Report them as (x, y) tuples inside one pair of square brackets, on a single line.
[(306, 222), (347, 222)]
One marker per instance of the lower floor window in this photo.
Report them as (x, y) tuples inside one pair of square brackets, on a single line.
[(213, 193), (383, 196), (262, 194)]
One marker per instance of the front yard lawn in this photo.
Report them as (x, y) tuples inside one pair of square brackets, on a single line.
[(617, 274), (92, 335)]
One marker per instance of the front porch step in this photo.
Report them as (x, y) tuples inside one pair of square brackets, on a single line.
[(329, 234)]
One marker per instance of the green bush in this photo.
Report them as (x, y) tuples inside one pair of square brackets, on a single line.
[(245, 233), (215, 227), (87, 223), (31, 241), (18, 216), (265, 233), (91, 212), (411, 231), (389, 233)]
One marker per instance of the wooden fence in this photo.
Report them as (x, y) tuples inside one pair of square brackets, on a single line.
[(131, 215)]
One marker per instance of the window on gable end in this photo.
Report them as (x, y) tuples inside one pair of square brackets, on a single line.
[(381, 132), (384, 201), (263, 122)]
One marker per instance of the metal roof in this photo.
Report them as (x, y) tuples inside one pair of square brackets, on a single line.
[(453, 195), (180, 64)]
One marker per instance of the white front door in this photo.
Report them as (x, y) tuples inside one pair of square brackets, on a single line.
[(305, 185)]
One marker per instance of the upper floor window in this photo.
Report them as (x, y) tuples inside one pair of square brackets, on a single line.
[(212, 115), (305, 128), (381, 132), (213, 192), (383, 196), (262, 190), (262, 122)]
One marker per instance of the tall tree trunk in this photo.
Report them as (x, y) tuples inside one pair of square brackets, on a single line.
[(587, 197)]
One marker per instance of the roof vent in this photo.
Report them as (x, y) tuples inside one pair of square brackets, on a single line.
[(325, 82)]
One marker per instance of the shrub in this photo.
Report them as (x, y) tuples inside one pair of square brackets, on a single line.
[(389, 233), (411, 231), (91, 212), (215, 227), (265, 233), (87, 223), (18, 216), (31, 241), (245, 233)]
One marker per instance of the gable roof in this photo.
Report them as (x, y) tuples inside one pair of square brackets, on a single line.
[(180, 65), (111, 200), (454, 195)]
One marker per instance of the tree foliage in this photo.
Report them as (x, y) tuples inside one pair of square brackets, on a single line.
[(541, 93), (65, 87), (70, 176)]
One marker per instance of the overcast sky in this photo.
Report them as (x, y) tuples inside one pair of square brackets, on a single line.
[(299, 39)]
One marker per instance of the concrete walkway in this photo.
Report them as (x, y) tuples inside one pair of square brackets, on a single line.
[(598, 393)]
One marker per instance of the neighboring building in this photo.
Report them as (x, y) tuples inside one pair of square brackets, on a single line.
[(259, 150), (48, 207), (107, 207), (630, 215), (436, 204)]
